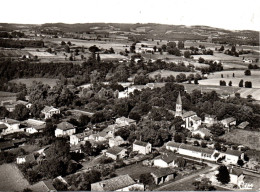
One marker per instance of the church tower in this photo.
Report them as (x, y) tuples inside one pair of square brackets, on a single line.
[(178, 106)]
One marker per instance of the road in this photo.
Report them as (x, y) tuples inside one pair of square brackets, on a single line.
[(168, 187)]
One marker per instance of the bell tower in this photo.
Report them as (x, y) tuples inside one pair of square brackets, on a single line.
[(178, 106)]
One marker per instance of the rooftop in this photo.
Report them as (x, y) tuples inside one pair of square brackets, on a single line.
[(228, 120), (235, 171), (196, 118), (47, 109), (125, 119), (173, 144), (233, 152), (168, 157), (163, 172), (141, 143), (203, 130), (243, 125), (3, 126), (188, 114), (116, 183), (10, 121), (198, 149), (179, 102), (115, 150), (65, 126)]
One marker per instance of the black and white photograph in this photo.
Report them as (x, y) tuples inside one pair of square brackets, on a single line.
[(137, 95)]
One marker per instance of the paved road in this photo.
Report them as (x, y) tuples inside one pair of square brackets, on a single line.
[(168, 187)]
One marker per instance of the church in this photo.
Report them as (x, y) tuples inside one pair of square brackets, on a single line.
[(192, 121)]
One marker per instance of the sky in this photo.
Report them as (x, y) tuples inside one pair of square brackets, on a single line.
[(227, 14)]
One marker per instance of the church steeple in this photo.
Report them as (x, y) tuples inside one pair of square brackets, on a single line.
[(178, 106)]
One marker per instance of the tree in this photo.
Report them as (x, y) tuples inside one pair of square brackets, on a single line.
[(241, 83), (248, 84), (123, 132), (221, 48), (180, 45), (201, 60), (20, 112), (69, 43), (203, 185), (177, 138), (233, 49), (240, 162), (217, 146), (93, 49), (247, 72), (63, 43), (181, 162), (86, 148), (3, 112), (146, 179), (187, 54), (98, 58), (230, 83), (223, 175), (203, 145), (67, 49)]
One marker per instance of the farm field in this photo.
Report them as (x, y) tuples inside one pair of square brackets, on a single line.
[(214, 78), (11, 178), (4, 96), (28, 82), (166, 73), (112, 56), (250, 139)]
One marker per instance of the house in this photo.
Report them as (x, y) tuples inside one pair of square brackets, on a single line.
[(123, 121), (202, 132), (79, 138), (197, 152), (243, 125), (165, 160), (172, 146), (196, 122), (48, 111), (25, 103), (210, 119), (119, 183), (6, 145), (116, 152), (64, 129), (232, 156), (34, 126), (25, 159), (142, 147), (163, 175), (11, 124), (188, 118), (236, 176), (3, 128), (116, 141), (228, 122)]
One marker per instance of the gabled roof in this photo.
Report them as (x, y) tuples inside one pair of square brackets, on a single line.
[(243, 125), (65, 126), (188, 114), (168, 157), (115, 150), (47, 109), (126, 119), (179, 102), (43, 186), (116, 183), (10, 121), (203, 130), (140, 143), (173, 144), (196, 118), (6, 145), (228, 120), (235, 171), (22, 102), (163, 172), (197, 149), (210, 116), (234, 152)]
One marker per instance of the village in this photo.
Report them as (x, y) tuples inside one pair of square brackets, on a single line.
[(112, 109)]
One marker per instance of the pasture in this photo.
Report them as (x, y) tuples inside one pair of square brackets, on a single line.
[(166, 73), (28, 82), (11, 178), (250, 139)]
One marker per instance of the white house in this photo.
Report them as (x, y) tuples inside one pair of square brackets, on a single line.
[(25, 159), (196, 122), (48, 111), (232, 156), (142, 147), (34, 126), (172, 146), (210, 119), (236, 176), (228, 122), (119, 183), (64, 129), (116, 153), (116, 141), (11, 124), (165, 160), (188, 118), (79, 138)]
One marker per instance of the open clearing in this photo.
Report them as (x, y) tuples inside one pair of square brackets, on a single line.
[(28, 82), (250, 139), (11, 178), (166, 73)]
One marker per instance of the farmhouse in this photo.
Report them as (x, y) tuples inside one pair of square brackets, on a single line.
[(25, 159), (11, 124), (64, 129), (165, 160), (116, 153), (48, 111), (116, 141), (34, 126), (172, 146), (202, 132), (119, 183), (229, 122), (232, 156), (142, 147), (163, 175), (210, 119)]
